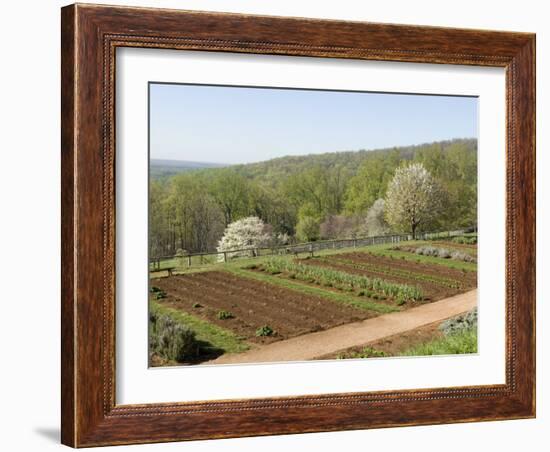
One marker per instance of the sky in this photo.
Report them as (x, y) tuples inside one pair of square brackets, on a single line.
[(217, 124)]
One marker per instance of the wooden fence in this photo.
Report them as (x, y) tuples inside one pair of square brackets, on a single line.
[(189, 260)]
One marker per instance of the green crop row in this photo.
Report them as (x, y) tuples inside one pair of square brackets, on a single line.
[(342, 280), (445, 282)]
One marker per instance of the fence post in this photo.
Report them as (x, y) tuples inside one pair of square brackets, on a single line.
[(225, 256), (189, 261)]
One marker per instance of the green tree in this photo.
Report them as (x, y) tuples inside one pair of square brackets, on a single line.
[(370, 182), (231, 191), (307, 229), (321, 188)]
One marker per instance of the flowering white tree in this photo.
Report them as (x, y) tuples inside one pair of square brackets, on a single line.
[(244, 234), (413, 198), (375, 223)]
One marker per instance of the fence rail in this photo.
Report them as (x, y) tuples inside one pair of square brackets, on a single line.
[(189, 260)]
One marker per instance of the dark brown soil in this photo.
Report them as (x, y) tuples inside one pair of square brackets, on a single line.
[(394, 345), (253, 305), (471, 249), (432, 291), (467, 278), (380, 300)]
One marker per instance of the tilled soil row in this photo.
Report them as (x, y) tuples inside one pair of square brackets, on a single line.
[(223, 291), (260, 290), (254, 304), (431, 291), (468, 278), (460, 246), (412, 276)]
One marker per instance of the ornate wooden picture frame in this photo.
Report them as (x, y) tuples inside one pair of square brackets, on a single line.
[(90, 37)]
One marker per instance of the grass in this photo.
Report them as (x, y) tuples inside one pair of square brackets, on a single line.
[(217, 337), (313, 291), (384, 250), (454, 344), (365, 352)]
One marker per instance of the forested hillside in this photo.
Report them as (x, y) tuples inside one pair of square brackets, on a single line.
[(303, 198), (164, 168)]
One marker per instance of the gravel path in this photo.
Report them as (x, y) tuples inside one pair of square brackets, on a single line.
[(314, 345)]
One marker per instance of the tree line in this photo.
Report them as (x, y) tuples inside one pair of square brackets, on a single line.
[(305, 198)]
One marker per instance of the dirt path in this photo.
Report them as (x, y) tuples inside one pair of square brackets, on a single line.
[(314, 345)]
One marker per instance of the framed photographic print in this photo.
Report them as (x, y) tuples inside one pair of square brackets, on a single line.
[(281, 225)]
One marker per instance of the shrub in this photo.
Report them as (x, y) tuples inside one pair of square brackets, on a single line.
[(265, 330), (460, 323), (444, 253), (375, 223), (307, 229), (224, 315), (433, 251), (460, 256), (172, 340)]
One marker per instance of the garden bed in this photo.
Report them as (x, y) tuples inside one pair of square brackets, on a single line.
[(250, 305)]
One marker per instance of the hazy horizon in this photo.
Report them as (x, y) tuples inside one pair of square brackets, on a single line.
[(305, 155), (240, 125)]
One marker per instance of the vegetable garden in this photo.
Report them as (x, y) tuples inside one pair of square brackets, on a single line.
[(249, 303)]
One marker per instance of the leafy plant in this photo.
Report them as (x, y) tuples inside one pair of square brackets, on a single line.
[(465, 240), (265, 330), (460, 323), (342, 280), (171, 340), (224, 315), (444, 253), (391, 271), (460, 256)]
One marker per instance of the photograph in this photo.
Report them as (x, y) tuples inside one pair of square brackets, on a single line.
[(267, 226), (294, 224)]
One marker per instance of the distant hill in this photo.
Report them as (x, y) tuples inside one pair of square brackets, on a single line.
[(163, 168), (281, 167)]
